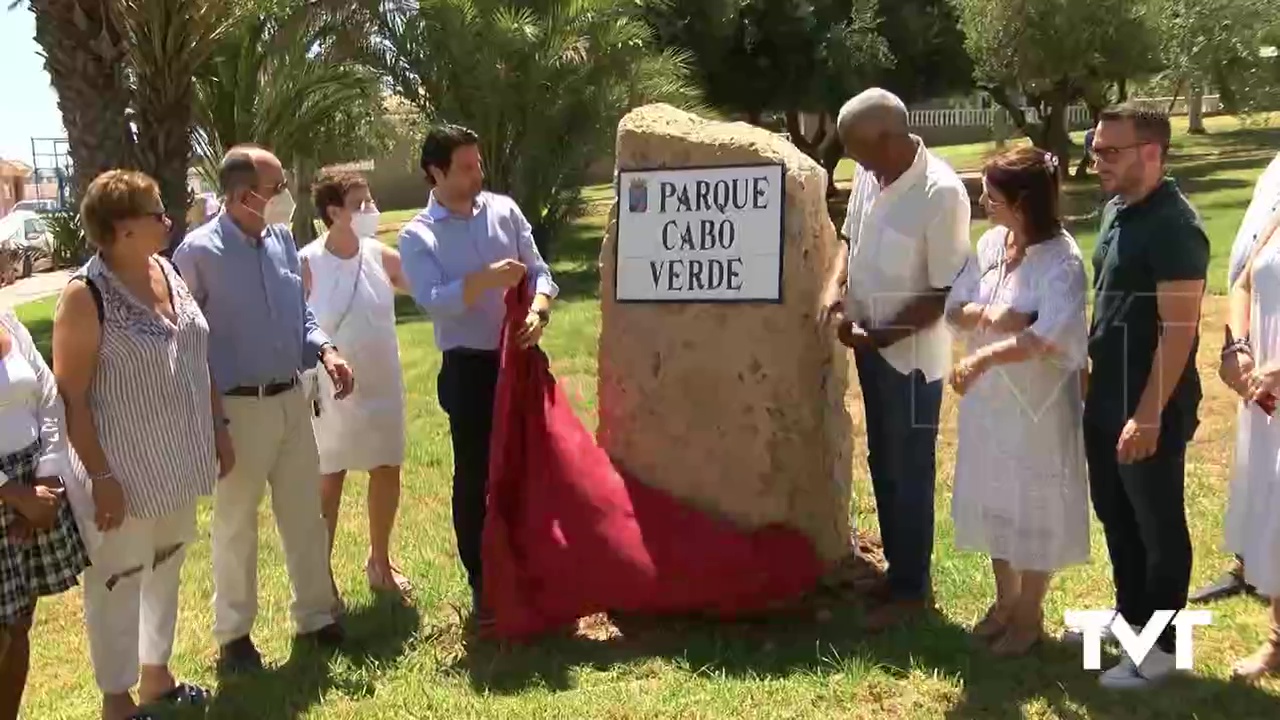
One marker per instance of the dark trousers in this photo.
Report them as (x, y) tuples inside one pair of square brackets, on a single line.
[(902, 434), (465, 389), (1142, 512)]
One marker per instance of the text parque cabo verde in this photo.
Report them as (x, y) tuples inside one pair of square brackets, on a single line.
[(702, 235)]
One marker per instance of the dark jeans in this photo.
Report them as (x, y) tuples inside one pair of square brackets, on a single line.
[(465, 389), (1143, 515), (902, 433)]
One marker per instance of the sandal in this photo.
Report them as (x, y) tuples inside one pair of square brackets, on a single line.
[(182, 695), (1265, 661), (391, 582), (990, 625), (1017, 641)]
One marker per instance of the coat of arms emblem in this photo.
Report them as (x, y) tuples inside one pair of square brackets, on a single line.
[(638, 195)]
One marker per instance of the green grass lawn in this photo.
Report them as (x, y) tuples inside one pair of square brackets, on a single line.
[(415, 662)]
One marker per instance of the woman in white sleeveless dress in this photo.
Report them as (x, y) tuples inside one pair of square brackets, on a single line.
[(1253, 514), (1020, 489), (351, 279)]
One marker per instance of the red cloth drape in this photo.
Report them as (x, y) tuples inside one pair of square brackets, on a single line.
[(567, 535)]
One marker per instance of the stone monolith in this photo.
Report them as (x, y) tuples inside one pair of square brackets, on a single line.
[(736, 408)]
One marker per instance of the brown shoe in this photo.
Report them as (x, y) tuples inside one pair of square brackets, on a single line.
[(876, 592), (896, 612)]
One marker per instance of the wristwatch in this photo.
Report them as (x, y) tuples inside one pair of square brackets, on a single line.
[(544, 315), (323, 348)]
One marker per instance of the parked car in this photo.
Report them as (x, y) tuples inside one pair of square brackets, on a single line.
[(23, 239), (40, 206)]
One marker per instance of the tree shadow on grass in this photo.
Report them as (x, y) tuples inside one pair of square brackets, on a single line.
[(1214, 164), (377, 634), (800, 643), (1265, 136), (578, 283), (408, 312)]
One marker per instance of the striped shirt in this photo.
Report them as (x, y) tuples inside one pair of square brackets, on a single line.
[(150, 396)]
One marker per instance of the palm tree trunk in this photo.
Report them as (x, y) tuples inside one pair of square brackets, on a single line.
[(304, 217), (164, 152), (83, 54)]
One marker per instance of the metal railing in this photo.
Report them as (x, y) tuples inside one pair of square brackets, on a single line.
[(1076, 114)]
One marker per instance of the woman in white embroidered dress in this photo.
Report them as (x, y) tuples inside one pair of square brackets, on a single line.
[(1021, 491), (351, 280), (1253, 514)]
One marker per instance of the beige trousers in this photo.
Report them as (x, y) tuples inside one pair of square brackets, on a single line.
[(131, 596), (274, 445)]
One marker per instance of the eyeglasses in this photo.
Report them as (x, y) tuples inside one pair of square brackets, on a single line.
[(1109, 154)]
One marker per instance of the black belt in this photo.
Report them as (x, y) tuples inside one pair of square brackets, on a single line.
[(263, 391), (471, 352)]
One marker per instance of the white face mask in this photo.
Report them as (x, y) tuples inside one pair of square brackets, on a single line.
[(279, 209), (365, 224)]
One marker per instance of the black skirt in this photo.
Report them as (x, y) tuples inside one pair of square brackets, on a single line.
[(49, 562)]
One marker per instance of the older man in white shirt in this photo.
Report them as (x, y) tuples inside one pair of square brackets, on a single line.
[(907, 234), (1264, 205)]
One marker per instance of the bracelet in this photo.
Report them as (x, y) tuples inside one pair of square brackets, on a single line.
[(1237, 345), (107, 475)]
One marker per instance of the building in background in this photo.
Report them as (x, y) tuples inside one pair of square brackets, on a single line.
[(14, 177)]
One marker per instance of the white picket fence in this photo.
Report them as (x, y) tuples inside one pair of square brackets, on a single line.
[(1076, 114), (977, 117)]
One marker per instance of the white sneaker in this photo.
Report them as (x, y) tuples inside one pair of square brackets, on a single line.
[(1157, 666), (1075, 634)]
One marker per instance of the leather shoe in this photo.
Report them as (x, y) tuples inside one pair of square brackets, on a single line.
[(894, 612), (330, 636), (239, 656)]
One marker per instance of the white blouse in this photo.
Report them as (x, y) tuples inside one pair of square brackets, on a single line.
[(30, 407), (1050, 282)]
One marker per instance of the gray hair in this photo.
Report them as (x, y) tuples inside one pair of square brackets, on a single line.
[(874, 108), (237, 170)]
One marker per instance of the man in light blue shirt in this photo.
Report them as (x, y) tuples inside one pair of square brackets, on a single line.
[(242, 268), (460, 255)]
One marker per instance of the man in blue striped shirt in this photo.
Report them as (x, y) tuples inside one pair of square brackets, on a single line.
[(243, 270), (460, 255)]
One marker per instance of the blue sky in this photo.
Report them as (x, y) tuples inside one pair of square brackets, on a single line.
[(29, 106)]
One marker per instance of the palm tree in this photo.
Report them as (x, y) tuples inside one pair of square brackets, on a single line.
[(122, 72), (543, 82), (277, 80), (84, 51), (169, 41)]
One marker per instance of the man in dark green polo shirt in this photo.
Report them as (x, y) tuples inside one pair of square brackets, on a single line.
[(1144, 391)]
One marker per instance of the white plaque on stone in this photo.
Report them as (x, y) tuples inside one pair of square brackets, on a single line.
[(700, 234)]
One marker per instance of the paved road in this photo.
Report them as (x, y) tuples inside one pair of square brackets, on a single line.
[(37, 286)]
